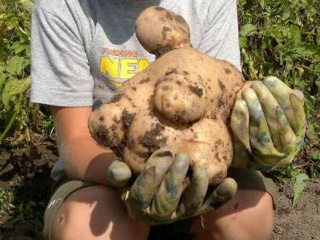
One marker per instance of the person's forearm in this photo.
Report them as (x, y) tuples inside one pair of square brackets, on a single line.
[(83, 158), (86, 160)]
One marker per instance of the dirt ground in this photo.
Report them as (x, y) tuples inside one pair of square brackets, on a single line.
[(29, 181)]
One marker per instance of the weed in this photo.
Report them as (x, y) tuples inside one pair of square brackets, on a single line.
[(281, 38), (300, 182)]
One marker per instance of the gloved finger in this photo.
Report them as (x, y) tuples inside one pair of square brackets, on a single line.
[(167, 198), (280, 131), (267, 160), (193, 198), (287, 136), (246, 85), (224, 192), (240, 123), (261, 142), (281, 92), (161, 158), (148, 182), (119, 173), (258, 128), (297, 103), (142, 192)]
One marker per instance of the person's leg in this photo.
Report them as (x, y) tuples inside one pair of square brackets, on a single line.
[(96, 212), (248, 216)]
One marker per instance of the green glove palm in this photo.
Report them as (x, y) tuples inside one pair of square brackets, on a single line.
[(161, 195), (268, 123)]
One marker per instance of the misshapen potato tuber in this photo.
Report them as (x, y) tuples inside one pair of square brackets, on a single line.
[(182, 100)]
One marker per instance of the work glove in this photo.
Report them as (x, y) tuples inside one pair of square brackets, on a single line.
[(268, 124), (161, 194)]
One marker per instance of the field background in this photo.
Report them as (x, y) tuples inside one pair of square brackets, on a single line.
[(280, 38)]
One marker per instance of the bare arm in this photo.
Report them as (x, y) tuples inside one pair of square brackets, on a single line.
[(84, 158)]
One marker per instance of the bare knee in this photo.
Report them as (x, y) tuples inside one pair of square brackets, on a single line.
[(96, 212), (248, 216)]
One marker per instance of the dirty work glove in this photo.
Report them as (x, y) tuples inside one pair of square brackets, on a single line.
[(160, 193), (268, 123)]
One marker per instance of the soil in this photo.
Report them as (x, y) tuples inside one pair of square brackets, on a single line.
[(25, 183), (25, 174)]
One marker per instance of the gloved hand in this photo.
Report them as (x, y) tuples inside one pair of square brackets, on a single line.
[(268, 123), (160, 193)]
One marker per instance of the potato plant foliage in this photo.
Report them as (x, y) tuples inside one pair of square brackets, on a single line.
[(14, 66), (18, 118)]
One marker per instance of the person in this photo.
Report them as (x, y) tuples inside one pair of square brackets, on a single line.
[(82, 51)]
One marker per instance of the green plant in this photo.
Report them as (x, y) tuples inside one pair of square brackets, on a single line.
[(6, 206), (15, 28), (300, 183), (281, 38)]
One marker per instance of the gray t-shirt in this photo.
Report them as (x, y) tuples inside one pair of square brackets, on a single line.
[(83, 50)]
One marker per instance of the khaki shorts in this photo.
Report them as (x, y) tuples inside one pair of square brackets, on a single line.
[(246, 179)]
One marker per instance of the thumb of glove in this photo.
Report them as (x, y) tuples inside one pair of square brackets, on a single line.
[(119, 174)]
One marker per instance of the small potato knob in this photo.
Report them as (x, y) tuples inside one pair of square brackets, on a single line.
[(166, 31), (180, 100), (106, 125)]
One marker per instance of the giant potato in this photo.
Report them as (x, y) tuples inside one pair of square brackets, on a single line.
[(182, 100)]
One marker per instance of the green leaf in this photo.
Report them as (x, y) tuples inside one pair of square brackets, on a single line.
[(12, 88), (248, 29), (262, 3), (311, 50), (315, 155), (298, 187), (313, 133), (286, 16), (310, 102), (16, 65), (242, 41), (2, 81), (13, 22), (18, 86), (276, 33), (295, 34), (24, 34), (27, 4), (18, 47)]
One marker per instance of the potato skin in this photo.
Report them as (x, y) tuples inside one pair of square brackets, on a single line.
[(182, 100), (166, 30)]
